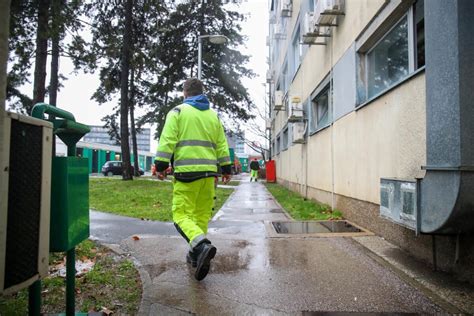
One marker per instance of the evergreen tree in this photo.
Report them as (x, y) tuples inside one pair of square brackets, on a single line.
[(32, 24), (110, 48), (223, 65), (21, 47), (42, 35)]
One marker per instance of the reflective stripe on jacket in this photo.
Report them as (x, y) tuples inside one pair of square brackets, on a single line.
[(196, 138)]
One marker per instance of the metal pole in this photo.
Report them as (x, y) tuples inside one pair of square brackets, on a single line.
[(70, 281), (199, 56), (34, 299), (71, 264)]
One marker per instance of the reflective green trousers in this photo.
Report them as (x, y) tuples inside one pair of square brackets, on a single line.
[(192, 208), (254, 174)]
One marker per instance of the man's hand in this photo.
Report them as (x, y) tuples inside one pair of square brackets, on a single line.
[(226, 178), (161, 175)]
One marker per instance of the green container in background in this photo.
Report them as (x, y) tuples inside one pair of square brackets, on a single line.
[(244, 162), (232, 155), (69, 203)]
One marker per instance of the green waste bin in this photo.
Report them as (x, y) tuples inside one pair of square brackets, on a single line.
[(69, 222), (69, 203)]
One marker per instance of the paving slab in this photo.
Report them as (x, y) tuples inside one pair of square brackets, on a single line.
[(256, 275), (273, 276)]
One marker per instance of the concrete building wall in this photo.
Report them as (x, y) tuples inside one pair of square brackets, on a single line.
[(342, 162), (384, 138)]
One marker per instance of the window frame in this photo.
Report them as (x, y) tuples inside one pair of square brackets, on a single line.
[(278, 144), (363, 52), (296, 52), (285, 133), (325, 90), (324, 86), (367, 53)]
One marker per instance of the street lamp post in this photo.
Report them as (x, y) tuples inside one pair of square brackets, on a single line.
[(215, 39)]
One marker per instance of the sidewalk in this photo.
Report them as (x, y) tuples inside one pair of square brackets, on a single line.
[(256, 275)]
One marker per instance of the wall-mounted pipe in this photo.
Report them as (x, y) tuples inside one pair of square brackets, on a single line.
[(447, 190)]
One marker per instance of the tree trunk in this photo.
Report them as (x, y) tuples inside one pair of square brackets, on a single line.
[(39, 83), (125, 67), (4, 27), (56, 31), (132, 122), (162, 118), (4, 31)]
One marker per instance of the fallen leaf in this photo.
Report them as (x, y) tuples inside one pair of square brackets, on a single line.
[(106, 311), (135, 237)]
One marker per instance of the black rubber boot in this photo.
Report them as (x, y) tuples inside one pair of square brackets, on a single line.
[(204, 252), (191, 258)]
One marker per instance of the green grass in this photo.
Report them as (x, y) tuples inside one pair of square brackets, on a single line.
[(298, 207), (113, 283), (138, 198), (232, 183)]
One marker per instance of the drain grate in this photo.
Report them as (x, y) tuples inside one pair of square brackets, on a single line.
[(316, 228)]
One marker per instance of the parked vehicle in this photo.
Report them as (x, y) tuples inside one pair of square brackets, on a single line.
[(111, 168)]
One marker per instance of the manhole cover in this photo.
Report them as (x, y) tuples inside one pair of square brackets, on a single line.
[(315, 228)]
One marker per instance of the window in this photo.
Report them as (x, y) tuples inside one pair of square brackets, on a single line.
[(320, 112), (296, 53), (397, 54), (419, 9), (388, 61), (284, 78), (278, 148), (285, 139)]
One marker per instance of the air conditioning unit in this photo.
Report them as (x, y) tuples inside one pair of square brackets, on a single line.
[(299, 132), (279, 33), (272, 18), (398, 201), (268, 123), (310, 29), (295, 109), (278, 100), (286, 7), (327, 10), (24, 201), (269, 76)]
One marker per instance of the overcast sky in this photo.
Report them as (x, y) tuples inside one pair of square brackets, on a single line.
[(75, 95)]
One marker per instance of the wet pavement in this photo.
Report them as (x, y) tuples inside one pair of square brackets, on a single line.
[(255, 274)]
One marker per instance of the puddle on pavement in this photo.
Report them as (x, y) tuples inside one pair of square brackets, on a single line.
[(233, 261), (314, 227), (228, 263)]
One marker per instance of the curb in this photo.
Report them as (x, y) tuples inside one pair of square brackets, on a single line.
[(435, 298)]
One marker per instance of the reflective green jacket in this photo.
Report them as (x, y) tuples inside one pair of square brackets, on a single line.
[(196, 138)]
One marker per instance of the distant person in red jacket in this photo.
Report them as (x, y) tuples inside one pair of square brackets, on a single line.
[(254, 167)]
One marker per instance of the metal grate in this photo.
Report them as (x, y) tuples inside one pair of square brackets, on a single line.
[(24, 203), (314, 227)]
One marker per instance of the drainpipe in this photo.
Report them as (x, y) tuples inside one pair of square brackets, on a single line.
[(447, 190)]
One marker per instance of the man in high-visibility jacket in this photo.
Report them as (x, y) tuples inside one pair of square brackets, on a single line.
[(193, 135), (254, 168)]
